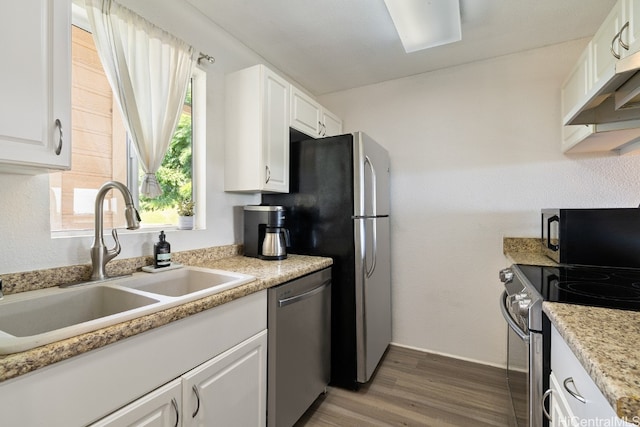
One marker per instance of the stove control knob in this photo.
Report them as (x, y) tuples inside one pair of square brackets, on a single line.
[(523, 306), (506, 275)]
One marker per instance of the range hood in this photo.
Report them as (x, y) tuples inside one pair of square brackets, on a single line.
[(617, 101)]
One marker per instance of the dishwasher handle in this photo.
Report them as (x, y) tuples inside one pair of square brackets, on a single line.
[(291, 300)]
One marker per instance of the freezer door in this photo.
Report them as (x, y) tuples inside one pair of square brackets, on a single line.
[(373, 293), (371, 177)]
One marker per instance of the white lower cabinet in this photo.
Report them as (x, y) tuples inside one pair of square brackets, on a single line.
[(228, 390), (575, 398), (561, 415), (148, 379), (160, 408)]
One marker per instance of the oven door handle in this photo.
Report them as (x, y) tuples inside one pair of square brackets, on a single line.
[(512, 324)]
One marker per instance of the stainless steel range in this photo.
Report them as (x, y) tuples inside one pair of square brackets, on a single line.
[(528, 345)]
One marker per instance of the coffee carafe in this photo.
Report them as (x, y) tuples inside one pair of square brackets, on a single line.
[(274, 245), (264, 234)]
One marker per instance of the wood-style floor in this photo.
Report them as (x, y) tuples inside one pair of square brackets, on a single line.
[(412, 388)]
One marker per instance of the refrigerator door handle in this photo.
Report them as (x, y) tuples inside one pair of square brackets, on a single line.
[(374, 203), (374, 187), (374, 246)]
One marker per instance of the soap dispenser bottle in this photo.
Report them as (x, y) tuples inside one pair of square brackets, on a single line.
[(162, 252)]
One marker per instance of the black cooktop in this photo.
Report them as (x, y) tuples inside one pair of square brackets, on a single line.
[(596, 286)]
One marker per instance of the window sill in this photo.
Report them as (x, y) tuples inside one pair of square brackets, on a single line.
[(121, 231)]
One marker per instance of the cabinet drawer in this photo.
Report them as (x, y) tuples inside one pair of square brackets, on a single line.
[(571, 375)]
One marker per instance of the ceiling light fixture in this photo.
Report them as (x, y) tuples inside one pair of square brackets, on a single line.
[(422, 24)]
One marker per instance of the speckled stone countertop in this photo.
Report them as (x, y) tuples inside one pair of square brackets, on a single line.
[(267, 273), (605, 341), (525, 250)]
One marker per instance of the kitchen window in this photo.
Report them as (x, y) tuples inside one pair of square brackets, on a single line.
[(102, 151)]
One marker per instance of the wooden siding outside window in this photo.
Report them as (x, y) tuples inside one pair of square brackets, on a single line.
[(99, 144)]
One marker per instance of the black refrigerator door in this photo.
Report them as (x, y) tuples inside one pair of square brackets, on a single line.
[(319, 218), (320, 202)]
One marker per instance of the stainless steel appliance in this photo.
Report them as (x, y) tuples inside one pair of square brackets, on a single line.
[(275, 242), (265, 236), (529, 344), (339, 207), (299, 347), (592, 236)]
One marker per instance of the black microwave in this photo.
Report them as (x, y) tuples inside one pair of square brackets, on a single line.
[(604, 237)]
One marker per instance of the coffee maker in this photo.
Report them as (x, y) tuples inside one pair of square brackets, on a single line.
[(264, 234)]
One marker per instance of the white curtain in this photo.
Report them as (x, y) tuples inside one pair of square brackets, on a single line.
[(149, 71)]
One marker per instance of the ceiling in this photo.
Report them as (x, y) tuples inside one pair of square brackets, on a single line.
[(333, 45)]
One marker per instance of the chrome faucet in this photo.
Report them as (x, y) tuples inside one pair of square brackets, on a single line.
[(100, 255)]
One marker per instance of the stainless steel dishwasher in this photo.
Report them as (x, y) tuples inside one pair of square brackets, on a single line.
[(299, 352)]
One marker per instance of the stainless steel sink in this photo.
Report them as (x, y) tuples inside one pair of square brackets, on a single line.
[(35, 318)]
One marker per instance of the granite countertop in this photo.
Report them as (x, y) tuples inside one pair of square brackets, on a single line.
[(267, 273), (525, 251), (605, 341)]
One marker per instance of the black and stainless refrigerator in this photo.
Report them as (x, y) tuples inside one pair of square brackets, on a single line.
[(338, 206)]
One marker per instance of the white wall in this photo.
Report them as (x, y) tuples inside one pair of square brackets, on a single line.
[(475, 154), (25, 237)]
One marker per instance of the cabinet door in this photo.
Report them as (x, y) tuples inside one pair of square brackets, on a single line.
[(575, 88), (561, 415), (160, 408), (631, 35), (603, 59), (276, 133), (230, 389), (332, 124), (583, 398), (305, 113), (35, 84)]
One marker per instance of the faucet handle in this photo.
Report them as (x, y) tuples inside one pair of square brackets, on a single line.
[(113, 252)]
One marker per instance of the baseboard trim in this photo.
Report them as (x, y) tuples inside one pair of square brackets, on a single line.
[(452, 356)]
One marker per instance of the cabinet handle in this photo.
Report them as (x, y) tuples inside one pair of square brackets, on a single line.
[(268, 173), (574, 392), (544, 409), (195, 391), (624, 45), (613, 42), (175, 406), (58, 124)]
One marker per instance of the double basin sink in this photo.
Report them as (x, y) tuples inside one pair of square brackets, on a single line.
[(31, 319)]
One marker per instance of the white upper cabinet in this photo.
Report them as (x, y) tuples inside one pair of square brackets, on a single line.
[(577, 85), (605, 45), (332, 123), (260, 107), (35, 82), (257, 131), (591, 82), (631, 35), (311, 118)]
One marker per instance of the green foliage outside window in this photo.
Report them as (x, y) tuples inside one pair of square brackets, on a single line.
[(174, 176)]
